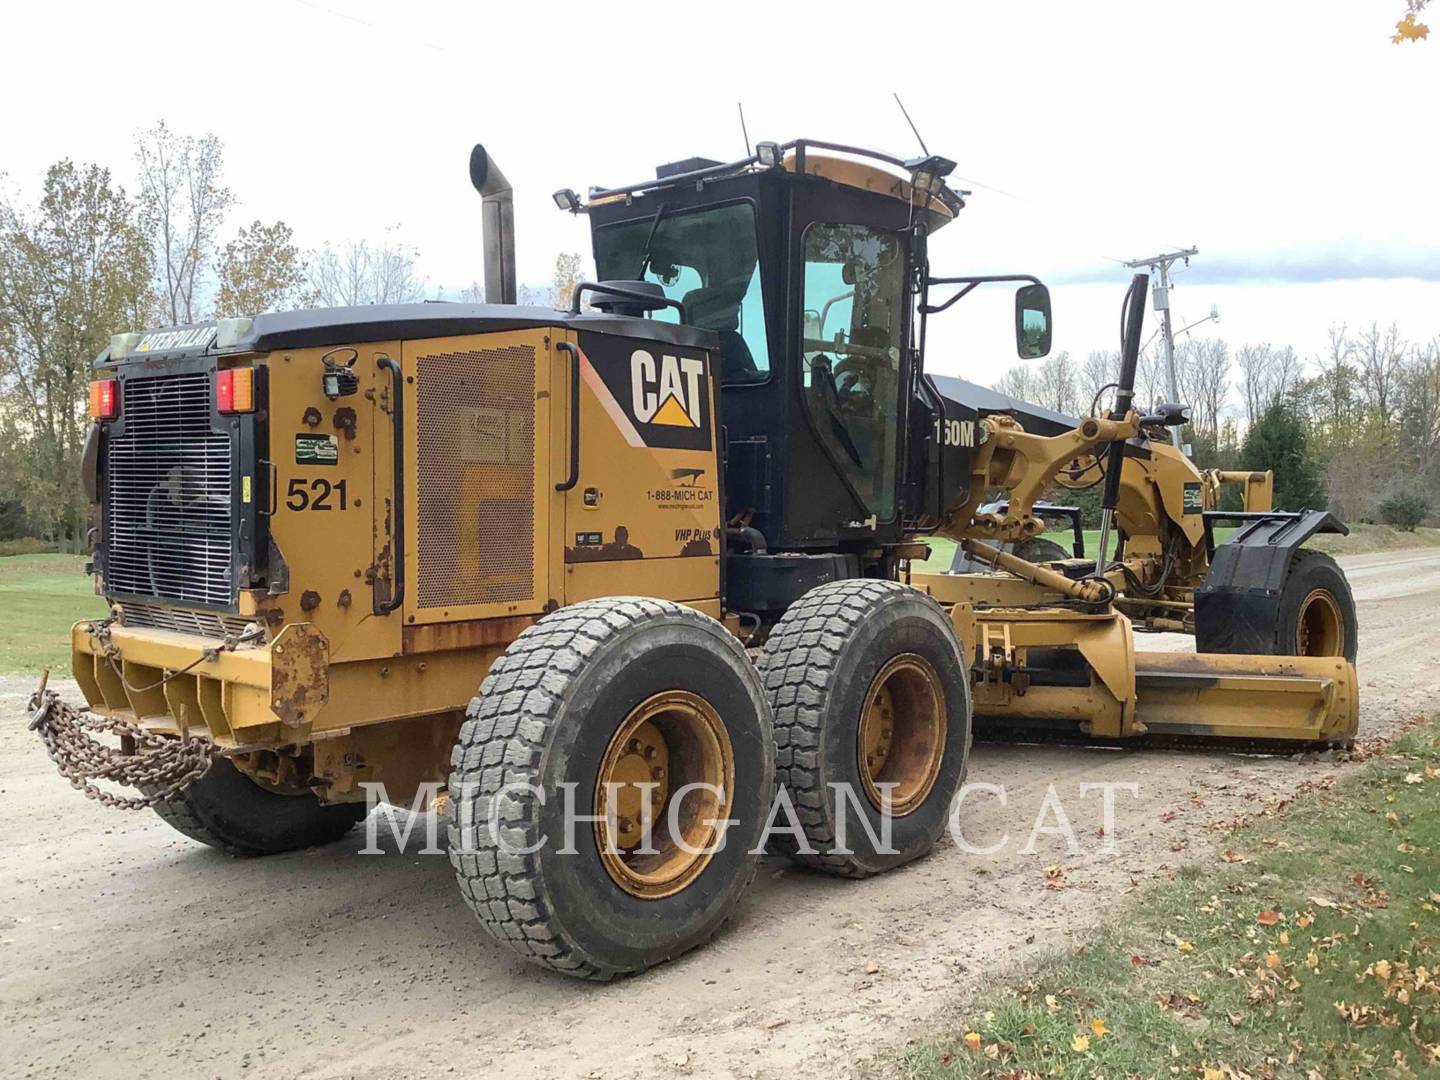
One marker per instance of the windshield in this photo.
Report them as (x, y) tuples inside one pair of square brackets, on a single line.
[(706, 259)]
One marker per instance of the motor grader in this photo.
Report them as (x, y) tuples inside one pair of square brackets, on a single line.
[(532, 554)]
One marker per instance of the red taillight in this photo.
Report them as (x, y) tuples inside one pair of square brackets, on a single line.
[(235, 390), (104, 399)]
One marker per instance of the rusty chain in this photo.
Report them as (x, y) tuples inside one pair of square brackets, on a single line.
[(159, 765)]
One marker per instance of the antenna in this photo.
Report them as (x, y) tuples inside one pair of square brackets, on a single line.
[(923, 148), (748, 148)]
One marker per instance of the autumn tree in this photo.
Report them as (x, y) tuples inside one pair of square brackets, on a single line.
[(260, 270), (183, 202), (359, 273), (1268, 376), (1410, 28), (567, 277), (1100, 369), (73, 271), (1018, 383), (1055, 384)]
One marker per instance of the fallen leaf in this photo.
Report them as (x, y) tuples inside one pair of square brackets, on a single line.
[(1284, 937), (1305, 920), (1414, 778), (972, 1040), (1273, 961), (1184, 946), (1138, 960), (777, 1022), (1235, 857), (1080, 1043), (1268, 918), (1214, 1074), (1098, 1027), (1051, 1003), (1320, 901)]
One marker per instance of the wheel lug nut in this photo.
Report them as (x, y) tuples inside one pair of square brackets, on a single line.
[(886, 733), (650, 753), (657, 773), (625, 824)]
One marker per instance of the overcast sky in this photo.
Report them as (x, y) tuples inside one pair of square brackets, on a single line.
[(1292, 143)]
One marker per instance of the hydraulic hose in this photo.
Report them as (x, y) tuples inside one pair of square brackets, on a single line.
[(1132, 319)]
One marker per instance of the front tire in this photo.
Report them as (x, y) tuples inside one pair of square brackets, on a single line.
[(1317, 610), (620, 691), (868, 687)]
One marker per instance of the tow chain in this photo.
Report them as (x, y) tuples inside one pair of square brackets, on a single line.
[(160, 766)]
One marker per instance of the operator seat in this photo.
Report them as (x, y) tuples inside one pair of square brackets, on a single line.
[(718, 308)]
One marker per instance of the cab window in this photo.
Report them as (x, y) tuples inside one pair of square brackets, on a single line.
[(851, 350), (708, 260)]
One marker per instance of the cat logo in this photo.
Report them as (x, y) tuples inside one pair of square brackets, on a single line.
[(657, 396), (667, 391)]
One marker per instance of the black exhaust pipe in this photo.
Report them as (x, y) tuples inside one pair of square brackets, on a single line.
[(497, 224)]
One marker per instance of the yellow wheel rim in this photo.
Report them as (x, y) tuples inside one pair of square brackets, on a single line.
[(667, 743), (902, 733), (1321, 629)]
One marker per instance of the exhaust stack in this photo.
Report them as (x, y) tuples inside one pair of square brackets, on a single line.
[(497, 226)]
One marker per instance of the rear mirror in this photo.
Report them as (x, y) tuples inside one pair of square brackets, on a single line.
[(1032, 321)]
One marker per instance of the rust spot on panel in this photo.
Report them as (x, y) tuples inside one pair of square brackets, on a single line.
[(343, 600), (436, 637), (299, 674), (311, 417), (345, 422), (309, 600)]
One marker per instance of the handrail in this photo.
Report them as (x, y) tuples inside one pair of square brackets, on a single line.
[(574, 474)]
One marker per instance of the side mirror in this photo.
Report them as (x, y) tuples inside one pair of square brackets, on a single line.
[(1032, 321)]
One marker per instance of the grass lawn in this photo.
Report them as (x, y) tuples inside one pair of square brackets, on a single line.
[(40, 596), (1309, 948)]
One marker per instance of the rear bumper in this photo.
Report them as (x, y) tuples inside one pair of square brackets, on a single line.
[(247, 696)]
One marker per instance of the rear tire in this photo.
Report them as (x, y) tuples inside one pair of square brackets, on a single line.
[(830, 664), (227, 810), (609, 688)]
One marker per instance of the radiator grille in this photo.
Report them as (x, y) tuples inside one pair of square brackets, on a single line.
[(475, 469), (202, 623), (167, 526)]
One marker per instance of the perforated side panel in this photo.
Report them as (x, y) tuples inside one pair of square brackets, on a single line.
[(475, 471)]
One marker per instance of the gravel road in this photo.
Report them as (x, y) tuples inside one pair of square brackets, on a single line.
[(127, 950)]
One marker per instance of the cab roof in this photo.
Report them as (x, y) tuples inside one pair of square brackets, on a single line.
[(851, 166)]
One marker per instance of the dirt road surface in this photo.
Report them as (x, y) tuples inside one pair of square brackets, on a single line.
[(128, 950)]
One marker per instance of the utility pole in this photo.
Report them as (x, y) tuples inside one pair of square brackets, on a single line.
[(1159, 267)]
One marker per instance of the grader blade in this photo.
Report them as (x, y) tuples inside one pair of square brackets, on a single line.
[(1057, 674), (1306, 699), (1196, 701)]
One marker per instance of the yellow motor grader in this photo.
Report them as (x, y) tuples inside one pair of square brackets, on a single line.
[(527, 554)]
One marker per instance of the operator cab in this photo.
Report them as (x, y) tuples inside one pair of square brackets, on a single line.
[(808, 262)]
